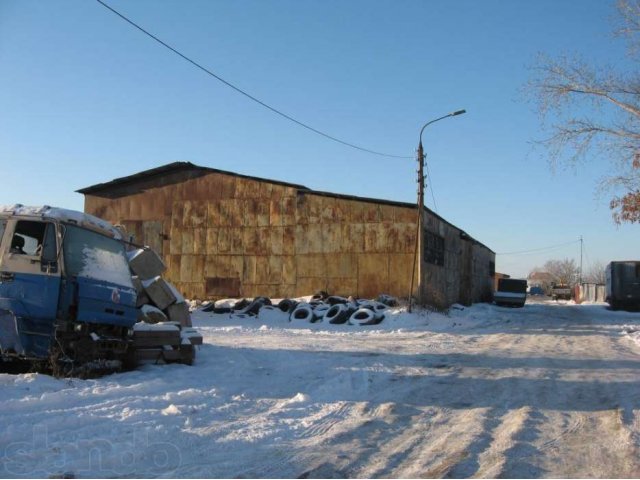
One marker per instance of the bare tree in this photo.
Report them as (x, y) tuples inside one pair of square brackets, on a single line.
[(596, 110), (564, 272), (596, 273)]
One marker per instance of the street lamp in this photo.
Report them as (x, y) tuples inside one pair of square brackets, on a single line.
[(419, 234)]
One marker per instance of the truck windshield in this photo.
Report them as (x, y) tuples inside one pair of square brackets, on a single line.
[(92, 255)]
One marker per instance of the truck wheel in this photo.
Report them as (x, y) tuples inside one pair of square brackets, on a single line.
[(129, 360)]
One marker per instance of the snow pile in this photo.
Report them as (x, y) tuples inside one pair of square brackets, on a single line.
[(270, 317), (632, 332)]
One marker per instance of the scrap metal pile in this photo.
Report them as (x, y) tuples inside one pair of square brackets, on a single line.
[(320, 308)]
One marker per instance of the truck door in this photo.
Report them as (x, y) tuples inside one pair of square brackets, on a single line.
[(29, 285)]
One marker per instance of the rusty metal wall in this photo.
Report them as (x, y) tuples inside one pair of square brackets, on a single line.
[(351, 247), (227, 236), (465, 276), (482, 279)]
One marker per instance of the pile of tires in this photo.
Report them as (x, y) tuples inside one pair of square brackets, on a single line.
[(324, 308)]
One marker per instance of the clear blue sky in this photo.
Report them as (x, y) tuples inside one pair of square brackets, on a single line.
[(85, 98)]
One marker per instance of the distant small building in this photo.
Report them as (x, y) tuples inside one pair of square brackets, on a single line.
[(543, 280), (590, 292), (223, 234), (497, 278)]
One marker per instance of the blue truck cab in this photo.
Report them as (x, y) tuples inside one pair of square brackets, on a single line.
[(65, 287)]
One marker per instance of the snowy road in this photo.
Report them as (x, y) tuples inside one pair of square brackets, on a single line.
[(550, 390)]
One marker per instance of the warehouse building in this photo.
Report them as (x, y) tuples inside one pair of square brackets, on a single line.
[(223, 234)]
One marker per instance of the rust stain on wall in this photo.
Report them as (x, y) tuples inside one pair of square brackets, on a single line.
[(225, 235)]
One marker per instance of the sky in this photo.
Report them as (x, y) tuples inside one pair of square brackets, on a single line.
[(86, 98)]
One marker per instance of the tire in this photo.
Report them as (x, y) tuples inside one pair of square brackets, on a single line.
[(321, 295), (319, 311), (378, 307), (335, 300), (220, 310), (287, 305), (388, 300), (209, 307), (302, 312), (337, 314), (253, 308), (263, 300), (241, 304), (362, 316)]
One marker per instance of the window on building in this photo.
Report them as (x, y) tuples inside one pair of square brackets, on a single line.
[(433, 248), (492, 269)]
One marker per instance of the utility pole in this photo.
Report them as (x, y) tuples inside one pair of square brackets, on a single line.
[(419, 240), (580, 277), (418, 254)]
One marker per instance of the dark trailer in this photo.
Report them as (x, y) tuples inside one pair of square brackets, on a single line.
[(511, 292), (623, 285)]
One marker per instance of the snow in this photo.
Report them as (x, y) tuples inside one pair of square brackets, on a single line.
[(178, 296), (147, 283), (105, 265), (632, 332), (133, 254), (548, 390), (150, 309), (155, 327), (63, 215)]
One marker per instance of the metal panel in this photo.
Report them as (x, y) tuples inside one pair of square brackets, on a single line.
[(373, 274), (222, 286)]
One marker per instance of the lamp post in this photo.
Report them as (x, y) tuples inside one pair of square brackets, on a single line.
[(419, 233)]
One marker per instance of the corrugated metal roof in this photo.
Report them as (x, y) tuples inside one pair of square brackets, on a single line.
[(163, 171)]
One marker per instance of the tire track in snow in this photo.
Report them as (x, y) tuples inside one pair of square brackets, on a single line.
[(301, 456), (426, 445), (492, 460), (328, 421), (575, 423)]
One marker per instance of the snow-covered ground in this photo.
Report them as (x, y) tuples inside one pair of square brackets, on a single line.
[(549, 390)]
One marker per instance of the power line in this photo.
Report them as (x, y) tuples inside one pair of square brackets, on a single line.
[(523, 252), (426, 164), (242, 92)]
